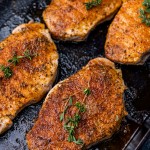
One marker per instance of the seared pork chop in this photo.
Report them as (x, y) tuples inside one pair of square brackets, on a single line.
[(99, 86), (70, 20), (33, 62), (128, 39)]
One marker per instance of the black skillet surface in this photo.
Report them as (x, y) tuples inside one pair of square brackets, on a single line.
[(72, 57)]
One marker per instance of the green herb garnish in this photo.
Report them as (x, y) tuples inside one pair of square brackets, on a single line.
[(87, 91), (7, 71), (28, 54), (146, 3), (92, 4), (70, 126), (145, 13), (71, 138), (71, 123), (81, 107), (15, 60), (70, 100), (75, 120), (78, 142), (62, 115)]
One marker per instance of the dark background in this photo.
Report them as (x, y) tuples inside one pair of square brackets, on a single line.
[(72, 57)]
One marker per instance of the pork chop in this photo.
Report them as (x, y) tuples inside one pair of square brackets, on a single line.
[(128, 39), (28, 66), (99, 88), (70, 19)]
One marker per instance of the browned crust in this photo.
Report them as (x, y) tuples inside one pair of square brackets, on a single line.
[(103, 105), (128, 39), (69, 20), (31, 79)]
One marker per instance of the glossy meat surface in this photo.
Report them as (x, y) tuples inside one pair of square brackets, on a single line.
[(104, 108), (69, 19), (128, 39), (31, 79)]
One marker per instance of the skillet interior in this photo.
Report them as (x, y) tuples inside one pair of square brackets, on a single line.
[(72, 57)]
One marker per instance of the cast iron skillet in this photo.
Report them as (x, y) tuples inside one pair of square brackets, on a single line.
[(72, 57)]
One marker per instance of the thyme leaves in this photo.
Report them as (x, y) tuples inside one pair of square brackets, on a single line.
[(92, 4), (145, 13), (15, 60), (72, 122)]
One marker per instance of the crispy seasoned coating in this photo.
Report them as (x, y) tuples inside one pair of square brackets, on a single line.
[(31, 79), (69, 19), (104, 108), (128, 39)]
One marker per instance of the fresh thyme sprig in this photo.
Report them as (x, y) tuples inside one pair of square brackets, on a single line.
[(145, 13), (29, 55), (87, 91), (7, 71), (15, 60), (92, 4), (146, 3), (71, 123), (62, 115), (81, 107), (70, 127)]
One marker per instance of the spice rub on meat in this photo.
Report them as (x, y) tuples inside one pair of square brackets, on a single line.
[(28, 66), (128, 38), (95, 95), (70, 19)]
